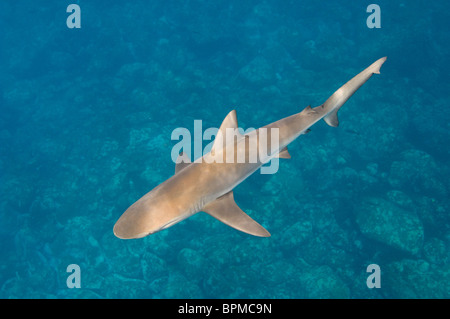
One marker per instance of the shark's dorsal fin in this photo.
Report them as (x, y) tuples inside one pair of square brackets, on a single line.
[(227, 211), (284, 153), (230, 121), (182, 162)]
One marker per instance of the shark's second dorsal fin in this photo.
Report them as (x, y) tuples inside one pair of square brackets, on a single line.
[(227, 211), (182, 162), (230, 121), (308, 110)]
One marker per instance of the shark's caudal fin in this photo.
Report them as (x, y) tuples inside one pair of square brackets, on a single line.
[(335, 101), (227, 211), (376, 66)]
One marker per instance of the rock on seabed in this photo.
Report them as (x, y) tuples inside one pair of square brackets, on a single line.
[(385, 222)]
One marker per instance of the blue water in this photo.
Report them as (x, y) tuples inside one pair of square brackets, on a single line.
[(85, 130)]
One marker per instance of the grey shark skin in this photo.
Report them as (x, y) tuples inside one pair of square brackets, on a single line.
[(207, 185)]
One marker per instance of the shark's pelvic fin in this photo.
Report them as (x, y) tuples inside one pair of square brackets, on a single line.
[(227, 211), (230, 121), (183, 161), (284, 153)]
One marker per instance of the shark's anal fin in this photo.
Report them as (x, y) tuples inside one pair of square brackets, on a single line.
[(331, 119), (284, 153), (182, 162), (227, 211)]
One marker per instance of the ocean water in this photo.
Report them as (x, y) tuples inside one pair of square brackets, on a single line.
[(85, 130)]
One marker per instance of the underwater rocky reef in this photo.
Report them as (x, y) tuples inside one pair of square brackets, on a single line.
[(86, 124)]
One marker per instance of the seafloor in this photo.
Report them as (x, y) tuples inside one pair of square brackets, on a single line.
[(85, 130)]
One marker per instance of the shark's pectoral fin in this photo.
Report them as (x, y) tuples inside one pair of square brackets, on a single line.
[(284, 153), (331, 119), (227, 211), (182, 162)]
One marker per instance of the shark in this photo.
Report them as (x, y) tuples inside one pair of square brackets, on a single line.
[(207, 183)]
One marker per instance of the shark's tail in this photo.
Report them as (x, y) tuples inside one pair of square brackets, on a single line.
[(376, 66), (335, 102)]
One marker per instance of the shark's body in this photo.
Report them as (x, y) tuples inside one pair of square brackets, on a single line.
[(206, 185)]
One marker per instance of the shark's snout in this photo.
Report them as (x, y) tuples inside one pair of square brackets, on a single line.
[(120, 231), (123, 231), (134, 223)]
